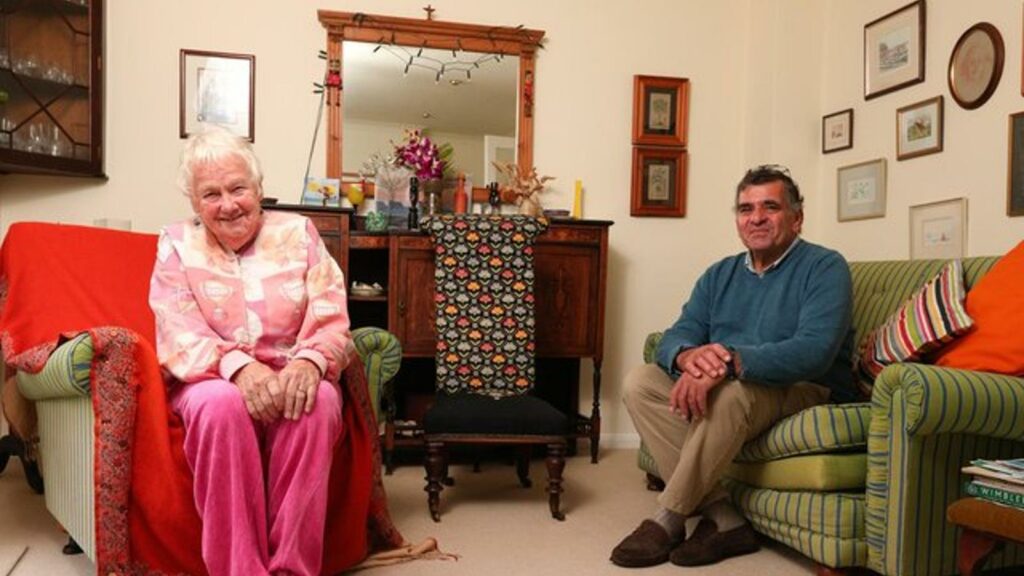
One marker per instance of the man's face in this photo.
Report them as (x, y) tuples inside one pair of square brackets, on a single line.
[(766, 222), (227, 200)]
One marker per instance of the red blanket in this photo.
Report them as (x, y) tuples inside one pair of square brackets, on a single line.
[(58, 280)]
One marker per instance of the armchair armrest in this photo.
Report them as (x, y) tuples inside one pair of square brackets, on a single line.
[(651, 346), (939, 400), (65, 375), (381, 354)]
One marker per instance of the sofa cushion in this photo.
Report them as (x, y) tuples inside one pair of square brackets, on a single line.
[(997, 306), (843, 471), (815, 430), (933, 315), (66, 373)]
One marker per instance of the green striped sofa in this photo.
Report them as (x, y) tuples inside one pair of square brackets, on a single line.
[(867, 484), (61, 393)]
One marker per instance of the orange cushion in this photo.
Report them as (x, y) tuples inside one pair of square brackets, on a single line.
[(996, 303)]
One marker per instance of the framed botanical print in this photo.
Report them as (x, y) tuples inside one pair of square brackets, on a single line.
[(860, 190), (217, 88), (659, 182), (660, 106)]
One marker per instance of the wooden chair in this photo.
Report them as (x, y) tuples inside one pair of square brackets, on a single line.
[(485, 349)]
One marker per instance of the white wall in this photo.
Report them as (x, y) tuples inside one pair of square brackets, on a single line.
[(973, 163), (763, 72)]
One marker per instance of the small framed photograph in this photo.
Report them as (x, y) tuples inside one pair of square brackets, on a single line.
[(938, 230), (894, 50), (919, 129), (659, 182), (837, 131), (861, 190), (660, 106), (217, 88), (324, 192), (1015, 177), (976, 65)]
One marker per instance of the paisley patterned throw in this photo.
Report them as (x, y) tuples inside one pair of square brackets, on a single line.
[(484, 301)]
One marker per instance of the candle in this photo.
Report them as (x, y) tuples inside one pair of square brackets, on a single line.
[(577, 203)]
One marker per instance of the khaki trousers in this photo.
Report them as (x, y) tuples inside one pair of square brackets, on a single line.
[(692, 456)]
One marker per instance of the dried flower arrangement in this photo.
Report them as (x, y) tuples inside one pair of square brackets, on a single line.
[(523, 187)]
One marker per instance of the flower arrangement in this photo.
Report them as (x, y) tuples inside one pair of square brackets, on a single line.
[(523, 187), (427, 160)]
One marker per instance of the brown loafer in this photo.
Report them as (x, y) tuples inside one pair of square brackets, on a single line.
[(708, 545), (648, 545)]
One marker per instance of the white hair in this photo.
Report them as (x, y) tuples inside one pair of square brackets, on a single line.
[(212, 143)]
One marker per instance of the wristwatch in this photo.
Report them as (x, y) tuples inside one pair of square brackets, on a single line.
[(730, 366)]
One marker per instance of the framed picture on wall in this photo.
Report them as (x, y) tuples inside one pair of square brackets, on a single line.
[(660, 106), (938, 230), (837, 131), (659, 182), (919, 129), (1015, 167), (217, 88), (894, 50), (860, 190), (976, 65)]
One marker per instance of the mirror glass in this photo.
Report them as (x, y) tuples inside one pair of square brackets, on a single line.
[(466, 99)]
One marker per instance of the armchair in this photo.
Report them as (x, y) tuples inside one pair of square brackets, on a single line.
[(867, 484), (485, 349), (75, 322)]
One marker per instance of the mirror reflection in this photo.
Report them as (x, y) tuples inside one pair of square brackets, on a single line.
[(464, 99)]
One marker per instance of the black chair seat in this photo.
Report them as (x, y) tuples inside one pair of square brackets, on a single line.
[(468, 413)]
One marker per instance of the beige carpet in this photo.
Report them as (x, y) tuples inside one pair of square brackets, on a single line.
[(494, 525)]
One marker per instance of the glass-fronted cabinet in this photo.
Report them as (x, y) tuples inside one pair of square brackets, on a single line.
[(51, 87)]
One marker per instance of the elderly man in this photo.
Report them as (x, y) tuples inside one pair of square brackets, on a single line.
[(765, 334)]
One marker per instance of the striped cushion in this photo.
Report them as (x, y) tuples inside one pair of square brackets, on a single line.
[(66, 373), (826, 526), (933, 315), (844, 471), (824, 428)]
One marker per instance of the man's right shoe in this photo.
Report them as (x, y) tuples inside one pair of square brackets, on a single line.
[(648, 545)]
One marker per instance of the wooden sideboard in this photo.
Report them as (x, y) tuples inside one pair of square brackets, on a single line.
[(571, 271)]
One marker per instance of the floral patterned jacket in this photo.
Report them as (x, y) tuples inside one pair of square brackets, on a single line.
[(281, 298)]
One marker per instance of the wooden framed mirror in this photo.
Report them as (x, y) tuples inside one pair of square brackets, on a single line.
[(454, 55)]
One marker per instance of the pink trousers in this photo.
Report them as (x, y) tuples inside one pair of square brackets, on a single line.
[(261, 490)]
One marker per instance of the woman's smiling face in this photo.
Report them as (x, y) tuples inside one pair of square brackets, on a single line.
[(227, 200)]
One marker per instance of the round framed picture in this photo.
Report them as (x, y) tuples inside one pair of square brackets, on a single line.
[(976, 65)]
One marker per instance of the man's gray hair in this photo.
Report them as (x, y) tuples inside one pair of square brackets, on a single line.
[(767, 173), (212, 143)]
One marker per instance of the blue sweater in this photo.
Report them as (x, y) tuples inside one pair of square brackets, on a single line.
[(791, 324)]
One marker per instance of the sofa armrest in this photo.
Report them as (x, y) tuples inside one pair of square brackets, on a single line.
[(939, 400), (381, 354), (65, 375)]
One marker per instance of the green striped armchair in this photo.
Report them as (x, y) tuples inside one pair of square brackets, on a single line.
[(867, 484), (62, 395)]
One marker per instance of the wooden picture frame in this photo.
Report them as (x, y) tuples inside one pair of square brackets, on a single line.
[(894, 50), (837, 131), (976, 65), (1015, 167), (938, 230), (660, 108), (659, 182), (217, 88), (919, 128), (860, 190)]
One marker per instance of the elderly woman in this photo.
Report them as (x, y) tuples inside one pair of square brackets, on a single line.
[(252, 332)]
